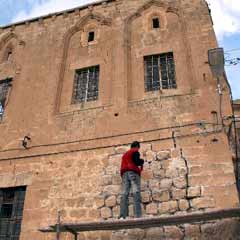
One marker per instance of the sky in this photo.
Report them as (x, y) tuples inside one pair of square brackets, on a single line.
[(225, 13)]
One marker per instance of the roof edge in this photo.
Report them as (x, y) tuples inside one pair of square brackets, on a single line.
[(236, 102), (56, 13)]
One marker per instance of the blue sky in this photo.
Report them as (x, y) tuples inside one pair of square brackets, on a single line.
[(226, 17)]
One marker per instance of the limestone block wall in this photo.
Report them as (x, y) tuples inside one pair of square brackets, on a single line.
[(47, 51), (72, 161), (86, 185)]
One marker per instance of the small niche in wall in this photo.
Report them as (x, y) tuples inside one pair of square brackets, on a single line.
[(214, 117), (91, 36), (155, 22), (9, 55)]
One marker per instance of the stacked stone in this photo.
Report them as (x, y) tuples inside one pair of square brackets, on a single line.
[(164, 189)]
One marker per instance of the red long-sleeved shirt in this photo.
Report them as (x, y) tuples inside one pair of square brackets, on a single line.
[(131, 162)]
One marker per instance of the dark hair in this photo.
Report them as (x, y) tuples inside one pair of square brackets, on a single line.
[(135, 144)]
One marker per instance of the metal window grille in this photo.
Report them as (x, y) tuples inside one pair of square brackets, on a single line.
[(85, 87), (11, 205), (4, 87), (159, 72)]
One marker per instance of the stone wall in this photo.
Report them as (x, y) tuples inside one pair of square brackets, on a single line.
[(165, 185), (72, 162), (47, 51), (236, 106), (86, 185)]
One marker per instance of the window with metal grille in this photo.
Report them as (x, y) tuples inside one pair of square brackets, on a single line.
[(85, 87), (159, 72), (4, 88), (11, 211)]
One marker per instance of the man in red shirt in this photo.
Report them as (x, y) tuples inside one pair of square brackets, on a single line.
[(131, 168)]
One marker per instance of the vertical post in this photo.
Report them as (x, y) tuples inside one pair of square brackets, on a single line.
[(219, 89), (58, 226), (174, 139)]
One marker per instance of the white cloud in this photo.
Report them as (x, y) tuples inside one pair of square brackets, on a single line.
[(226, 16), (43, 7)]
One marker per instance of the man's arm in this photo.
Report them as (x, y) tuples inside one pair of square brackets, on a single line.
[(136, 159)]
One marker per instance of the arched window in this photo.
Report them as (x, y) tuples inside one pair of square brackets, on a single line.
[(4, 89), (8, 54)]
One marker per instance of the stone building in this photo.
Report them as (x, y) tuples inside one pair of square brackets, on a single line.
[(77, 87), (236, 140), (236, 106)]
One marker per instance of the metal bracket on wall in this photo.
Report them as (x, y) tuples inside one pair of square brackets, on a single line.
[(58, 228)]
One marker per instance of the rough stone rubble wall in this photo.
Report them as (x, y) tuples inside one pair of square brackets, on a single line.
[(165, 187)]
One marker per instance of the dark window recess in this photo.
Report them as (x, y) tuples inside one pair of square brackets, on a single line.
[(238, 138), (4, 88), (214, 117), (155, 23), (91, 36), (9, 55), (11, 211), (159, 72), (85, 87)]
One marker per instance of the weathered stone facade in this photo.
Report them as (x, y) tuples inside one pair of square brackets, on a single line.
[(235, 139), (71, 164), (236, 106)]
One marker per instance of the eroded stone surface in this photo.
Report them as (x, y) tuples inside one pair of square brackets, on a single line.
[(72, 161)]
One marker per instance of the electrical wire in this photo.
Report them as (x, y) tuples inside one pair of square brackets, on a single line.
[(112, 145), (200, 123), (230, 59), (232, 62), (233, 50)]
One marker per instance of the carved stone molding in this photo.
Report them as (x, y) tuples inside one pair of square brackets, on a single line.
[(7, 37), (8, 43), (167, 7), (99, 18)]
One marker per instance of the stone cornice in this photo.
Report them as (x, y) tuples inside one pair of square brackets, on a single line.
[(56, 13)]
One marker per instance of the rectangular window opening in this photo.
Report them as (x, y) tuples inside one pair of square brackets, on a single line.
[(155, 23), (86, 83), (159, 72), (11, 212), (91, 36), (9, 55), (4, 88)]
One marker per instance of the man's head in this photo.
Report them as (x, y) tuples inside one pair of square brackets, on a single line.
[(135, 144)]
